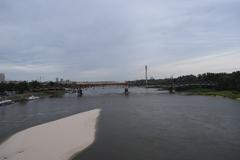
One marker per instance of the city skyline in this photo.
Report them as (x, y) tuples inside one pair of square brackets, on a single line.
[(114, 40)]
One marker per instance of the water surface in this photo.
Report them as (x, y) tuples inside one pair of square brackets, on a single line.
[(147, 124)]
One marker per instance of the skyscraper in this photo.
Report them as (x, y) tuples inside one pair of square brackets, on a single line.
[(57, 80), (2, 77)]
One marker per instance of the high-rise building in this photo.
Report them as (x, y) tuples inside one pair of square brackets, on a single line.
[(2, 77), (57, 80), (61, 80)]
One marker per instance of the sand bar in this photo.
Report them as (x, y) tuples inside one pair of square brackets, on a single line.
[(57, 140)]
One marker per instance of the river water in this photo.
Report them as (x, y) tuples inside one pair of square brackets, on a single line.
[(145, 125)]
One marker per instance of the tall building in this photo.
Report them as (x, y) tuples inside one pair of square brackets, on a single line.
[(2, 77), (61, 80), (57, 80)]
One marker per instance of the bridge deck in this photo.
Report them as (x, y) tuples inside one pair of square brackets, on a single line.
[(92, 85)]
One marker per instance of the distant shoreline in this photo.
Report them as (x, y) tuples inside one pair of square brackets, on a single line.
[(24, 96), (209, 92)]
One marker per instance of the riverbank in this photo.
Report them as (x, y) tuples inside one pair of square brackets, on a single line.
[(57, 140), (24, 96), (209, 92)]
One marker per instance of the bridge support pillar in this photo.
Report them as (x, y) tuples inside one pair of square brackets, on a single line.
[(126, 92), (171, 90), (79, 92)]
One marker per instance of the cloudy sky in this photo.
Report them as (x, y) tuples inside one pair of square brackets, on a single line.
[(113, 39)]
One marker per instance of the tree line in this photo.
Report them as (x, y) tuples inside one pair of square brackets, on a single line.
[(24, 86), (223, 81)]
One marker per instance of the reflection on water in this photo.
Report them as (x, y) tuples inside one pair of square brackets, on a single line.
[(146, 124)]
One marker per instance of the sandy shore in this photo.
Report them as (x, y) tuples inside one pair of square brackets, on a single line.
[(57, 140)]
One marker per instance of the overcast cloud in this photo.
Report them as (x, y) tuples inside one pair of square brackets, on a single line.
[(114, 39)]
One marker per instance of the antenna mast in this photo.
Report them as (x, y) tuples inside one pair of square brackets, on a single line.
[(146, 76)]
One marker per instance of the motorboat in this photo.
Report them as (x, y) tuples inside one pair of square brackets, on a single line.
[(33, 97), (5, 102)]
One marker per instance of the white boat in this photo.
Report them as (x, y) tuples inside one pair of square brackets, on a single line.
[(5, 102), (33, 97)]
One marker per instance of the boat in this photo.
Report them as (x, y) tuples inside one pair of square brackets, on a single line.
[(5, 102), (33, 97)]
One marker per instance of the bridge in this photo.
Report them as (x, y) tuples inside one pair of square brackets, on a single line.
[(98, 84), (79, 86)]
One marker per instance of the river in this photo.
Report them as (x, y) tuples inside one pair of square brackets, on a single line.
[(146, 124)]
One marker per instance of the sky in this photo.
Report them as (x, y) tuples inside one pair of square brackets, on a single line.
[(113, 40)]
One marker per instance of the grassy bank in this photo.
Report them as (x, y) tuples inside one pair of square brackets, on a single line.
[(24, 96), (209, 92)]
